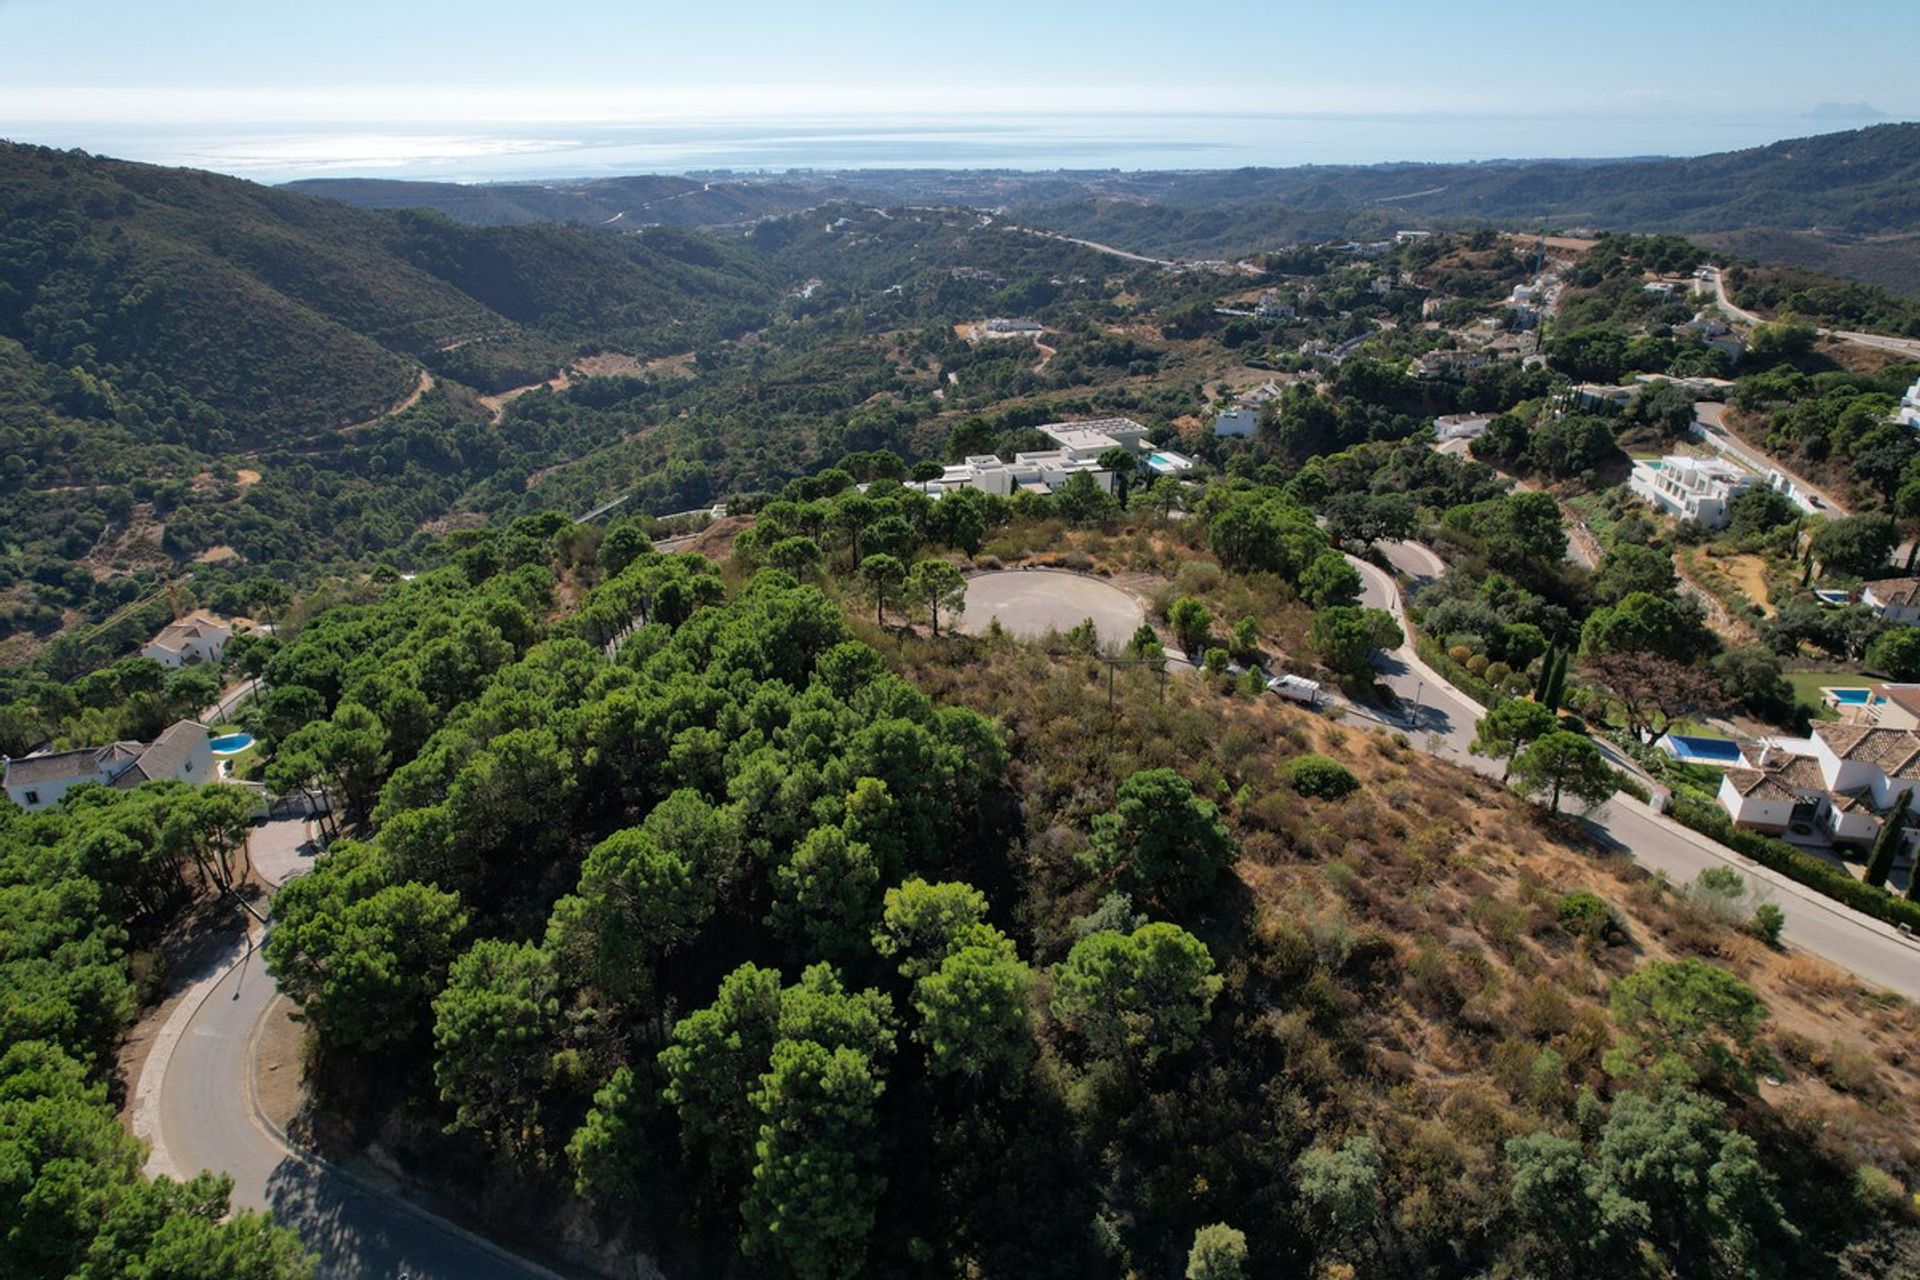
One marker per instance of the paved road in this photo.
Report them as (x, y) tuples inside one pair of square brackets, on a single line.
[(1874, 951), (228, 703), (1908, 347), (1710, 418), (206, 1120)]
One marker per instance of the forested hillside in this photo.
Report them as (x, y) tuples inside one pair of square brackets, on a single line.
[(634, 201), (783, 940), (1860, 183)]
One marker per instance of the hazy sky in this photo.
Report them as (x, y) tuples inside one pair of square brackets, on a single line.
[(345, 61)]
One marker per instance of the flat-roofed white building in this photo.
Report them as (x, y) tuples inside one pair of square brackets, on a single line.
[(1909, 411), (1095, 436), (1241, 422), (1696, 489), (1041, 471)]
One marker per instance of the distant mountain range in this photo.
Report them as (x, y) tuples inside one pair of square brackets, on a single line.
[(1845, 202)]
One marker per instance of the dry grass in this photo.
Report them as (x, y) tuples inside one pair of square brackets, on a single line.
[(1407, 938)]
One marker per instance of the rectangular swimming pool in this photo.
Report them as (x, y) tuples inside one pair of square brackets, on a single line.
[(1715, 751), (1849, 697)]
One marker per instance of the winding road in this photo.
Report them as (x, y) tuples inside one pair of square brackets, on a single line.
[(1441, 720), (1908, 347), (195, 1105)]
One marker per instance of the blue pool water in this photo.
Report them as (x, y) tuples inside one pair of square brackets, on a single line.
[(1849, 697), (231, 744), (1706, 750)]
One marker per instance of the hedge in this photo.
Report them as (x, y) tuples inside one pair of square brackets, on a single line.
[(1777, 855), (1458, 676)]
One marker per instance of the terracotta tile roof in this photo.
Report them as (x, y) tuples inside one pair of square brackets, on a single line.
[(1899, 592), (1892, 751), (164, 758), (1904, 696), (1787, 779), (61, 765)]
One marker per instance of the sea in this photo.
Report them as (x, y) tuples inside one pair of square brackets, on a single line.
[(506, 151)]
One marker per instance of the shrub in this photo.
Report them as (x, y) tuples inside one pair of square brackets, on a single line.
[(1709, 819), (1767, 922), (1478, 664), (1585, 915), (1460, 653), (1498, 672), (1316, 775)]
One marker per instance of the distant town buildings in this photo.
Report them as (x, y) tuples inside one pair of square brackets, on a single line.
[(37, 781), (1002, 326), (1448, 363), (1275, 308)]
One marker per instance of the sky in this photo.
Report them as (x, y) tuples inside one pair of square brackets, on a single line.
[(99, 68)]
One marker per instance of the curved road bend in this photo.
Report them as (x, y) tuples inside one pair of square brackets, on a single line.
[(1908, 347), (207, 1120), (1873, 951)]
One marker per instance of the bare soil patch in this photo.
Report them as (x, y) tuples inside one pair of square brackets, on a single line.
[(1033, 602), (279, 1076)]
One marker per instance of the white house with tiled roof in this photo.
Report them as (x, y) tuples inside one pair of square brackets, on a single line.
[(1896, 599), (38, 781), (198, 637), (1841, 781)]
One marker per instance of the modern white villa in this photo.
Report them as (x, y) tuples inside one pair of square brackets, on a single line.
[(1081, 445), (1240, 422), (37, 781), (1909, 411), (1696, 489)]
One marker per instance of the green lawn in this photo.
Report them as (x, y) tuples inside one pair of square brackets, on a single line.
[(1807, 686)]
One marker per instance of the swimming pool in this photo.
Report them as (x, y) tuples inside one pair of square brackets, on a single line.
[(1848, 697), (1714, 751), (231, 744)]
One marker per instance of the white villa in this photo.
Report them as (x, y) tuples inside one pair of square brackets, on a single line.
[(1043, 471), (1909, 411), (1241, 422), (1696, 489), (37, 781), (1840, 782), (198, 637), (1896, 599)]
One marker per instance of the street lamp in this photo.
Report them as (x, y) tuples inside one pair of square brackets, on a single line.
[(1419, 687)]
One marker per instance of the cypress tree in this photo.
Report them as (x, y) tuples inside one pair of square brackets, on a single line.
[(1557, 689), (1546, 674), (1886, 845)]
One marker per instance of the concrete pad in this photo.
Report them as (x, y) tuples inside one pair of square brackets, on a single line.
[(1030, 602)]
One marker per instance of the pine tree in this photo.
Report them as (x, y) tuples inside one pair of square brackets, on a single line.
[(1886, 845)]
